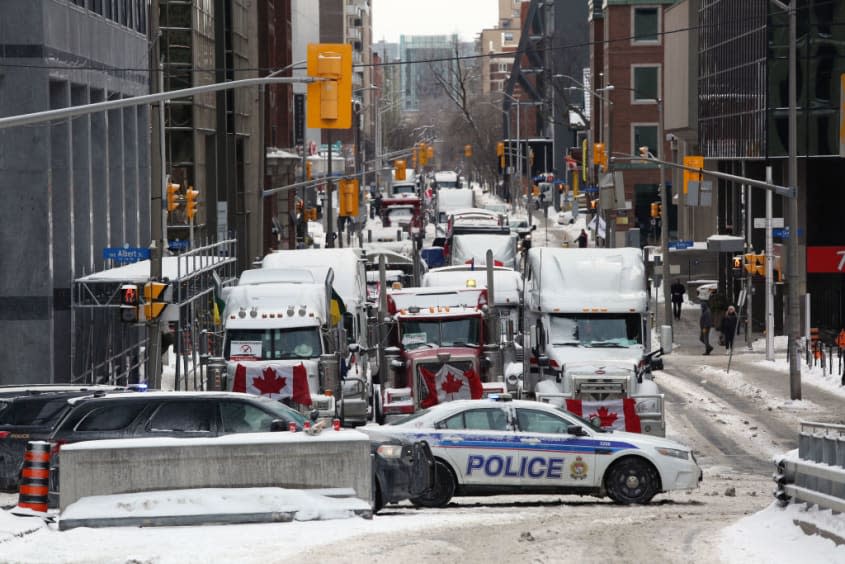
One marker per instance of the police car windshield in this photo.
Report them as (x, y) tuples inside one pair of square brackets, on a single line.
[(583, 421), (408, 418), (595, 330)]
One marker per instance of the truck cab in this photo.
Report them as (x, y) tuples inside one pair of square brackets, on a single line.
[(586, 315), (439, 349)]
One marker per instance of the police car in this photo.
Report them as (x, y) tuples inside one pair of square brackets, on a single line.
[(502, 446)]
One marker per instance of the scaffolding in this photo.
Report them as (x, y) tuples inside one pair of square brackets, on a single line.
[(106, 350)]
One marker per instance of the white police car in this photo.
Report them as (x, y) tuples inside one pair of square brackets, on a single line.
[(498, 446)]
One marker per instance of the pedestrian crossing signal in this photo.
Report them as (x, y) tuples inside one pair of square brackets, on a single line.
[(129, 300)]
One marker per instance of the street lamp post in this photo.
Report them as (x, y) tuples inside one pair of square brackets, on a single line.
[(514, 196), (664, 223)]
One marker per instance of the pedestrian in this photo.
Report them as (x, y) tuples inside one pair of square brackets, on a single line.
[(582, 240), (729, 323), (677, 290), (706, 323)]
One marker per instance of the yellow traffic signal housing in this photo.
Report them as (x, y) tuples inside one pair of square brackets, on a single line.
[(308, 170), (468, 151), (348, 194), (692, 161), (191, 196), (750, 261), (760, 265), (598, 154), (500, 149), (172, 197), (656, 210), (330, 100), (429, 152), (154, 302), (129, 303), (422, 154), (399, 168)]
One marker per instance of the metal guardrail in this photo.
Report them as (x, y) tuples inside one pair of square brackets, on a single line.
[(818, 475)]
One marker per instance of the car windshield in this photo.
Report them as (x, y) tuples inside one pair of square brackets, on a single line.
[(406, 189), (35, 411), (582, 421), (408, 418), (595, 330), (457, 332), (280, 409), (273, 344)]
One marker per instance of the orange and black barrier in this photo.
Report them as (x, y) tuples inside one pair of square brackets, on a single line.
[(35, 477)]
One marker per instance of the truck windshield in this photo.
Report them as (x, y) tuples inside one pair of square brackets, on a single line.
[(595, 330), (459, 332), (273, 344)]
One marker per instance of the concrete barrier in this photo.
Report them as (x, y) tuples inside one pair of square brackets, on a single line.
[(332, 459)]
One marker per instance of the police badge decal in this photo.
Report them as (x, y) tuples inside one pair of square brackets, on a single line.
[(578, 469)]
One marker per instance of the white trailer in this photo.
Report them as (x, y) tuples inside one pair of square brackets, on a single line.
[(586, 315), (449, 201), (472, 249)]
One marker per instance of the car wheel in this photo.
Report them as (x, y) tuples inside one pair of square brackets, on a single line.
[(632, 480), (378, 502), (443, 490)]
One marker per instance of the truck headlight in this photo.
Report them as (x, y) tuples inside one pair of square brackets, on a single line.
[(674, 453), (389, 451)]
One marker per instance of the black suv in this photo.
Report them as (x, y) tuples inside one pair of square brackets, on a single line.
[(31, 416), (402, 468)]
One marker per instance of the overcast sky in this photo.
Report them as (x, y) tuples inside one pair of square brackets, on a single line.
[(392, 18)]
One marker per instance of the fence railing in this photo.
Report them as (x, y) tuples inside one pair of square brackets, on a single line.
[(817, 475)]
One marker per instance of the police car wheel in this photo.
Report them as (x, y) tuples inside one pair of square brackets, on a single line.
[(443, 490), (632, 480)]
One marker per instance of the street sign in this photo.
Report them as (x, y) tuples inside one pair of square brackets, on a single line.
[(782, 232), (126, 255), (178, 245), (760, 222), (680, 244)]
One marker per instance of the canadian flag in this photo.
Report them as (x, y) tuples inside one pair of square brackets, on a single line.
[(620, 414), (274, 381), (450, 383)]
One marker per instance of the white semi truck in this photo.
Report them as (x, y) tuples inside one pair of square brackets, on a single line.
[(277, 326), (348, 322), (586, 317)]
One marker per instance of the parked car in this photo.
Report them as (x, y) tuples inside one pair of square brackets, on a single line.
[(27, 415), (502, 446), (402, 468)]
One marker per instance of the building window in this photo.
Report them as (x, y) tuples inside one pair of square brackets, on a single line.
[(507, 36), (645, 135), (646, 83), (646, 25)]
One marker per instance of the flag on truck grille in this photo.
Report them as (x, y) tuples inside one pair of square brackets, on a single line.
[(274, 381), (450, 383), (619, 414)]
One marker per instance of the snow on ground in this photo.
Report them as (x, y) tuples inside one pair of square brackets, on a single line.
[(771, 535), (812, 375)]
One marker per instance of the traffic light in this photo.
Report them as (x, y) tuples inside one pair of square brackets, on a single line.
[(329, 100), (311, 214), (737, 266), (191, 196), (154, 302), (422, 154), (598, 154), (429, 152), (468, 151), (308, 171), (656, 210), (172, 197), (750, 262), (500, 149), (129, 303), (692, 161), (399, 168), (760, 265), (348, 197)]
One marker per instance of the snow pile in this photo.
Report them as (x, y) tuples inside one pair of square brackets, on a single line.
[(13, 527), (813, 375), (772, 535)]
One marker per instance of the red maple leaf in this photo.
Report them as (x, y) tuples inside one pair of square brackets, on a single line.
[(269, 382), (451, 385), (606, 417)]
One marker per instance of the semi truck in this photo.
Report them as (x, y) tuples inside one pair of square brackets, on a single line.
[(587, 320), (439, 349), (278, 336), (348, 323)]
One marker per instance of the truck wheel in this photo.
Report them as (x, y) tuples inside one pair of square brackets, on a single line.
[(443, 490), (632, 481)]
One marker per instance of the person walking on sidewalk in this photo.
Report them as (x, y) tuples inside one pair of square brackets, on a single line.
[(582, 239), (677, 290), (729, 323), (706, 323)]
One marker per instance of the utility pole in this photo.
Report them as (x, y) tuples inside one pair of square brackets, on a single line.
[(793, 277), (664, 224)]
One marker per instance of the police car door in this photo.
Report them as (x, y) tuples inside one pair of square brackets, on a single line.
[(478, 444), (550, 455)]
